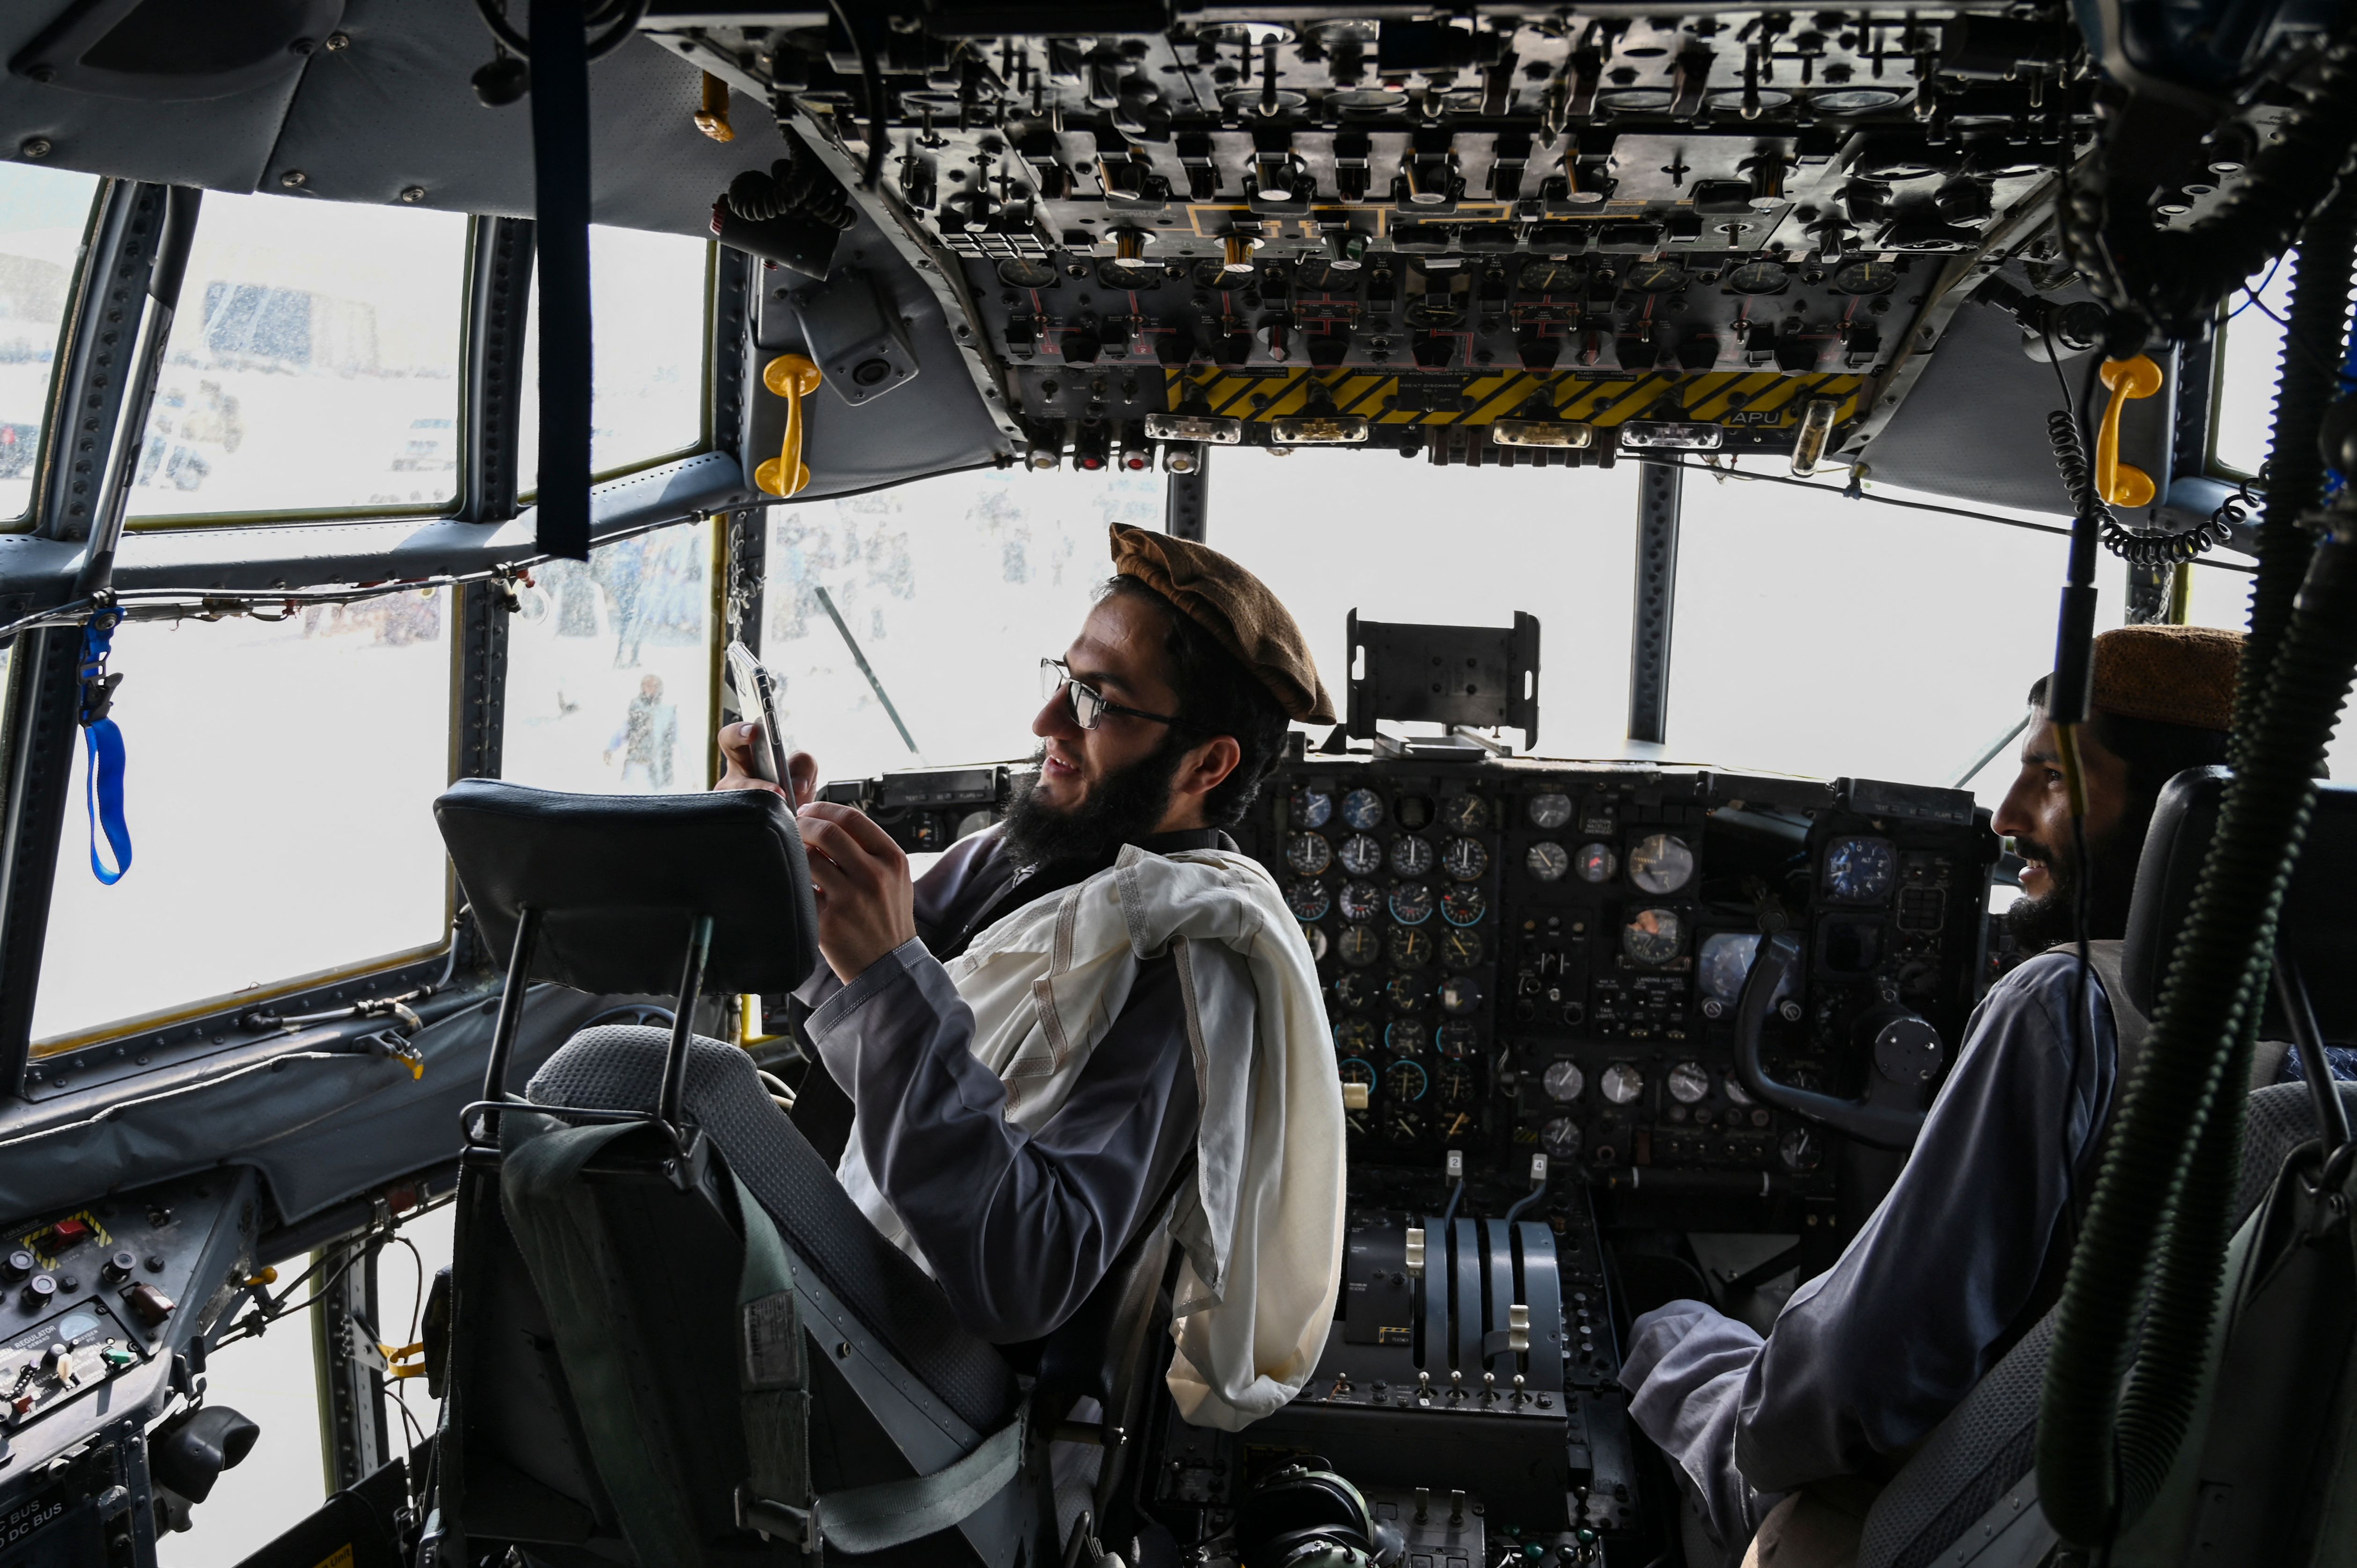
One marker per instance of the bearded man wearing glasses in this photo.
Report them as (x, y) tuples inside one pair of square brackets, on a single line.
[(1098, 1012)]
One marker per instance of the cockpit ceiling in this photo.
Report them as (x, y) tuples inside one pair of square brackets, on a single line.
[(1523, 237)]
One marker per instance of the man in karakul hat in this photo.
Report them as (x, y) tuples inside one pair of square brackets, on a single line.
[(1788, 1438), (1100, 1001)]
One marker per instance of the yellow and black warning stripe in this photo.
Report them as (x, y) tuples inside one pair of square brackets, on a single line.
[(1767, 400)]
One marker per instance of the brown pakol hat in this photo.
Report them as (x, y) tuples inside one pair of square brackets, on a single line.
[(1235, 608), (2175, 674)]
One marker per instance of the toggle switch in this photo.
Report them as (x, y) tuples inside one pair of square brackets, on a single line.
[(148, 1304), (1415, 1252)]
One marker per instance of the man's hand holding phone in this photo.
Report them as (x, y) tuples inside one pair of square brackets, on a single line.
[(741, 748), (866, 902)]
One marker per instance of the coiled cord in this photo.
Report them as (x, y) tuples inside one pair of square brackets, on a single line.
[(2136, 549), (795, 186)]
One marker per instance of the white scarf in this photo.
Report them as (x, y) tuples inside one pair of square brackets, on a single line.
[(1261, 1224)]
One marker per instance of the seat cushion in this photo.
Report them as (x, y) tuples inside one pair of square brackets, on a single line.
[(1990, 1441), (620, 1067)]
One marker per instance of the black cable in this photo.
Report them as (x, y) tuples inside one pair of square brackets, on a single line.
[(872, 79)]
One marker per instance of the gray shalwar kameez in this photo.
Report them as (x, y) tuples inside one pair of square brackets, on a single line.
[(1868, 1358)]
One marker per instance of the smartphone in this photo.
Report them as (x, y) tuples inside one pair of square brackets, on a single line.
[(756, 701)]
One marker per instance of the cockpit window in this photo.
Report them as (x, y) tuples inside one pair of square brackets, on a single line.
[(609, 668), (313, 365), (1334, 531), (43, 215), (951, 589), (248, 871), (646, 296), (2249, 344), (1793, 653)]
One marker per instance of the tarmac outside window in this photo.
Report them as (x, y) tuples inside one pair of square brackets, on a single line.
[(313, 365), (44, 214)]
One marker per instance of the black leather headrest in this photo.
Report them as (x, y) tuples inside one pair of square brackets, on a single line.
[(618, 878), (2319, 925)]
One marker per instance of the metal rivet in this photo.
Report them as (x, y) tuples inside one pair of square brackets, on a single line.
[(36, 147), (301, 46), (413, 193), (340, 41), (292, 178)]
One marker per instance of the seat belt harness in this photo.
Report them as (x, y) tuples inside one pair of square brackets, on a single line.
[(772, 1371), (103, 745)]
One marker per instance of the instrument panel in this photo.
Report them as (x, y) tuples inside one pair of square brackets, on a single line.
[(1526, 957)]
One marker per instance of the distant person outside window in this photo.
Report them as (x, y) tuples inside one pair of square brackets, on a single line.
[(648, 740)]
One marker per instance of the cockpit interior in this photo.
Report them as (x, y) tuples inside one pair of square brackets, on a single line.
[(524, 522)]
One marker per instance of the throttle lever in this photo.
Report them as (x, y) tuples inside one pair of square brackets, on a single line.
[(1884, 1126)]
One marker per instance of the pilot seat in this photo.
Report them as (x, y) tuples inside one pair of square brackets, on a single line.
[(673, 1338)]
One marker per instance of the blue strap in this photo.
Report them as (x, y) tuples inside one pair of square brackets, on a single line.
[(102, 743)]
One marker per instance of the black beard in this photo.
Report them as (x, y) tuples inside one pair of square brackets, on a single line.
[(2037, 924), (1123, 808)]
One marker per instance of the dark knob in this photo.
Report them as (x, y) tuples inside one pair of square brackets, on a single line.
[(39, 1291), (117, 1269), (16, 1265)]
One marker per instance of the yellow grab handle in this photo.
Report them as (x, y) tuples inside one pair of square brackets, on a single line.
[(713, 118), (2123, 484), (793, 378)]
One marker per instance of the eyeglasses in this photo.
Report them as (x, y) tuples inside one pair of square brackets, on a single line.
[(1088, 706)]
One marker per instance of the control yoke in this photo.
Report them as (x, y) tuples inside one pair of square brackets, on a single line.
[(1905, 1048)]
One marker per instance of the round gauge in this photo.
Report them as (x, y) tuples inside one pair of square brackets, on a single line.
[(1457, 1039), (1325, 277), (1596, 862), (1455, 1083), (1798, 1151), (1464, 859), (1403, 1038), (1307, 900), (1461, 994), (1403, 1126), (1411, 903), (1308, 853), (1758, 277), (1027, 272), (1560, 1138), (1354, 1038), (1655, 277), (1409, 947), (1363, 810), (1548, 811), (1427, 315), (1546, 860), (1724, 964), (1652, 936), (1410, 993), (1622, 1083), (1541, 276), (1312, 808), (1659, 863), (1734, 1094), (1463, 906), (1856, 101), (1359, 946), (1126, 277), (1861, 870), (1405, 1082), (1415, 812), (1362, 854), (1465, 813), (1315, 937), (1355, 990), (1865, 277), (1563, 1080), (1411, 856), (1214, 273), (1689, 1082), (1460, 950), (1360, 900)]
